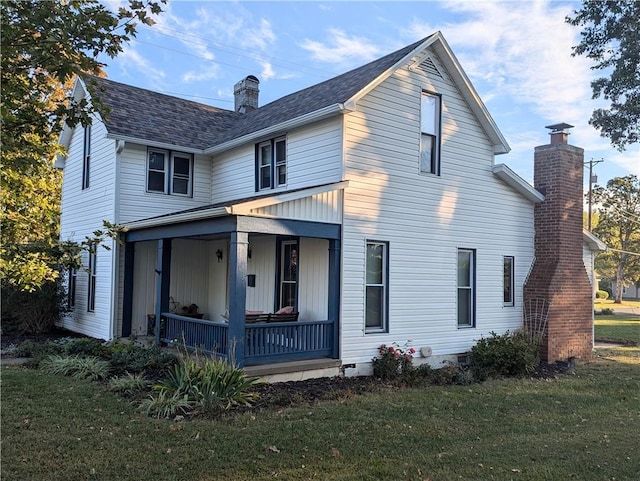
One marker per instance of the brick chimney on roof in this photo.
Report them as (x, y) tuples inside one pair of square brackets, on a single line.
[(558, 274), (245, 94)]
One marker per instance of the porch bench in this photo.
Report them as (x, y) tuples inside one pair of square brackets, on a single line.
[(253, 318)]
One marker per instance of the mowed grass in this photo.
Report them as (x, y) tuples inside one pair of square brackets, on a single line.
[(583, 426), (625, 327), (610, 303)]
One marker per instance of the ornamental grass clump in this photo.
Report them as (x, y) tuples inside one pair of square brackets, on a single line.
[(128, 384), (393, 361), (210, 385), (76, 366)]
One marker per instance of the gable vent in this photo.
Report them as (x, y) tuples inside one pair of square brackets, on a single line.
[(428, 67)]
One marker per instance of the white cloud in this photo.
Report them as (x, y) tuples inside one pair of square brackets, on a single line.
[(132, 62), (342, 49), (211, 72)]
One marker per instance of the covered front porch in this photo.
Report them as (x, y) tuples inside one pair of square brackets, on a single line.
[(251, 289)]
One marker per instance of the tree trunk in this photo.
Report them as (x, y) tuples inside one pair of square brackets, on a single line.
[(619, 284)]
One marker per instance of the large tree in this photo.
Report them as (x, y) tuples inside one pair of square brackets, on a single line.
[(45, 45), (611, 38), (618, 208)]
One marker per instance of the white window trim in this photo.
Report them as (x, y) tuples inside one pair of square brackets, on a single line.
[(436, 135), (273, 166), (283, 245), (385, 288), (168, 171)]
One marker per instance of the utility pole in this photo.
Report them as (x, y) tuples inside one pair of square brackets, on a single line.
[(591, 163)]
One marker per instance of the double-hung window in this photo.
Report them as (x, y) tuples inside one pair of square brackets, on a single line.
[(91, 288), (466, 287), (86, 157), (271, 164), (376, 286), (508, 276), (430, 133), (288, 274), (169, 172)]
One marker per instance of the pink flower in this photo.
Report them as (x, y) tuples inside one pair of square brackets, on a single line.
[(412, 351), (392, 349)]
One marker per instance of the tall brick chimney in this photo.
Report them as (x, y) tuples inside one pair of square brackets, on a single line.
[(558, 274), (246, 93)]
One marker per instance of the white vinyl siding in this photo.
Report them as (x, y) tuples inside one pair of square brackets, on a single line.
[(313, 157), (83, 211), (426, 218), (135, 203)]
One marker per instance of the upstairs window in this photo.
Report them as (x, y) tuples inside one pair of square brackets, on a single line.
[(86, 157), (169, 172), (430, 134), (271, 164)]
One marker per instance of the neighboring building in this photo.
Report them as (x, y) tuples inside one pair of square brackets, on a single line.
[(369, 204)]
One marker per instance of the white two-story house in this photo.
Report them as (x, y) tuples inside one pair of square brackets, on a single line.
[(364, 210)]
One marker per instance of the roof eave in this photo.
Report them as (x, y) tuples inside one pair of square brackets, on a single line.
[(314, 116), (595, 244), (517, 183), (152, 143)]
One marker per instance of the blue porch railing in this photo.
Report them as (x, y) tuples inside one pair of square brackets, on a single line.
[(264, 342)]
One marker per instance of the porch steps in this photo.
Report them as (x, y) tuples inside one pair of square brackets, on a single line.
[(295, 370)]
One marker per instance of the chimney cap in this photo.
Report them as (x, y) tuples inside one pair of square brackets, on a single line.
[(557, 128)]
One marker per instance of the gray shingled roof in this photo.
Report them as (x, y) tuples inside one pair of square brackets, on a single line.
[(146, 115)]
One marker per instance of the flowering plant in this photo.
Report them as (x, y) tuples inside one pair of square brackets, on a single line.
[(393, 361)]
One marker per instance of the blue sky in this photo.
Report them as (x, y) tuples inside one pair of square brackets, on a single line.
[(517, 55)]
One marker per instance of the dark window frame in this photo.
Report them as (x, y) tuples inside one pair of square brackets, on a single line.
[(470, 322), (383, 327), (434, 135), (71, 288), (86, 157), (508, 281), (268, 174), (169, 172), (91, 285)]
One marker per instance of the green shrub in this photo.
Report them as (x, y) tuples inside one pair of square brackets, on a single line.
[(32, 312), (129, 384), (602, 295), (209, 384), (509, 354), (136, 359), (76, 366), (84, 346), (393, 361)]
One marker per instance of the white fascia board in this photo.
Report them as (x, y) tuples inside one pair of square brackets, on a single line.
[(305, 119), (151, 143), (595, 244), (176, 218), (517, 183), (245, 207)]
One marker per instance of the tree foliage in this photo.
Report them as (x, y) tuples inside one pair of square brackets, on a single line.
[(618, 208), (45, 45), (611, 38)]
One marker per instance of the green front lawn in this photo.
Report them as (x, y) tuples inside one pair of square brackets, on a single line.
[(582, 425), (613, 327)]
